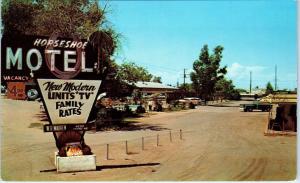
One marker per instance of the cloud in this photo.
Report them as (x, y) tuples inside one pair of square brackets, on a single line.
[(237, 71)]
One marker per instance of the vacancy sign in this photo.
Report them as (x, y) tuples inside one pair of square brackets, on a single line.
[(68, 101)]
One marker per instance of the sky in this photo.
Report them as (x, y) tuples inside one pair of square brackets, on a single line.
[(166, 37)]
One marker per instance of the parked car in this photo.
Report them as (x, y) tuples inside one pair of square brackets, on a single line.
[(137, 109), (3, 89), (255, 106), (193, 100)]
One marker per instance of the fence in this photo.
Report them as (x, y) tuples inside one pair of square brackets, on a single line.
[(137, 145)]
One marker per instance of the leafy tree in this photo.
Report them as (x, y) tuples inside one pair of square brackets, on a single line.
[(103, 44), (131, 72), (225, 89), (187, 87), (41, 17), (18, 16), (241, 90), (207, 72), (156, 79), (186, 90), (269, 88)]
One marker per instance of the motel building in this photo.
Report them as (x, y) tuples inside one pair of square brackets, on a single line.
[(153, 92), (151, 88)]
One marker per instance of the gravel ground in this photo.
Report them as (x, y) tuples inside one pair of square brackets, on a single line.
[(219, 143)]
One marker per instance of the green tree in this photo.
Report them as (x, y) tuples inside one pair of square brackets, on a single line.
[(156, 79), (269, 88), (207, 72), (226, 90), (40, 17), (103, 44), (224, 87), (131, 72), (18, 16), (241, 90), (187, 87)]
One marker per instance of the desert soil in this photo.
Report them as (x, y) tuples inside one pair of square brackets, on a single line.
[(219, 143)]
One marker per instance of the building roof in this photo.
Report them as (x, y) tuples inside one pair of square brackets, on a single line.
[(153, 85), (254, 92), (280, 98)]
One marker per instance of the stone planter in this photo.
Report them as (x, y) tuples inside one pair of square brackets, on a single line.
[(75, 163)]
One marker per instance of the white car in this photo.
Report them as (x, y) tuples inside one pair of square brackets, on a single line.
[(194, 100)]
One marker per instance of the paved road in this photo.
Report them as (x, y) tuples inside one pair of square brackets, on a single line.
[(219, 143)]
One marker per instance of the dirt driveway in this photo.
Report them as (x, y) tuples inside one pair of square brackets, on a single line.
[(219, 143)]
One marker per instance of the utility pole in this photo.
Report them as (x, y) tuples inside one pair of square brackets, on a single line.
[(250, 81), (275, 77), (184, 76)]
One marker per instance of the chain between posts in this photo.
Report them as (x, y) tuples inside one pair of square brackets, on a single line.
[(143, 143)]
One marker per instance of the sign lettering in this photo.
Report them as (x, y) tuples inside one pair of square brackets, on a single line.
[(68, 101)]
